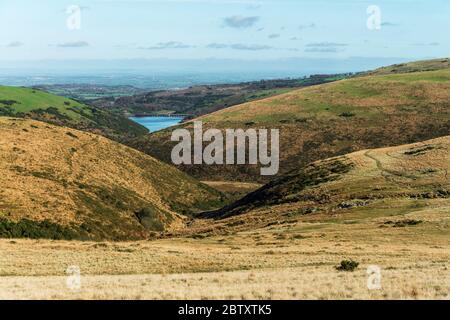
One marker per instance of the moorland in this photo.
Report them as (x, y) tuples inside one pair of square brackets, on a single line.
[(364, 182)]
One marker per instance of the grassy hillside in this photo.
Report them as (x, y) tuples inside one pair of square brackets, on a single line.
[(388, 183), (203, 99), (388, 208), (39, 105), (331, 119), (63, 183), (416, 66)]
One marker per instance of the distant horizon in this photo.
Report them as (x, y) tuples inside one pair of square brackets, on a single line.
[(206, 65), (176, 73)]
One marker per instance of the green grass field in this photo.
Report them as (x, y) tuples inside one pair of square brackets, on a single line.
[(43, 106), (29, 100)]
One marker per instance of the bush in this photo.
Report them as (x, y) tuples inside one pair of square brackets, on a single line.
[(347, 265), (26, 228), (199, 236), (347, 114), (150, 219), (403, 223), (419, 151), (70, 134), (8, 102)]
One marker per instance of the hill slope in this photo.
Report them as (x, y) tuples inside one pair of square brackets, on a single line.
[(331, 119), (39, 105), (204, 99), (416, 66), (63, 183), (376, 215), (373, 183)]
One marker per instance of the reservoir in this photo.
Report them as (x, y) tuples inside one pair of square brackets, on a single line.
[(157, 123)]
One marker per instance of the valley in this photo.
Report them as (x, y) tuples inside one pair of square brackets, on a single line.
[(327, 120), (61, 183), (203, 99), (217, 158), (363, 182)]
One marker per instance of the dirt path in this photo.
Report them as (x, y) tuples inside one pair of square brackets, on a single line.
[(386, 173)]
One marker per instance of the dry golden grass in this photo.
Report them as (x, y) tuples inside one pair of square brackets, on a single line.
[(274, 251), (385, 182), (287, 261), (233, 187), (285, 284), (71, 177)]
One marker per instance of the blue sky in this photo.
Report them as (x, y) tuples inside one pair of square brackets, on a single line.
[(236, 29)]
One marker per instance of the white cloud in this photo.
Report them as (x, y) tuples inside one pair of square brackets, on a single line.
[(240, 22)]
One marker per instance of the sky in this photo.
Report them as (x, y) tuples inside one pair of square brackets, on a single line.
[(223, 29)]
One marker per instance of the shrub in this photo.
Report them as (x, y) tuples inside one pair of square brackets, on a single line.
[(347, 114), (198, 236), (419, 151), (347, 265), (26, 228), (150, 219), (8, 102), (403, 223), (70, 134)]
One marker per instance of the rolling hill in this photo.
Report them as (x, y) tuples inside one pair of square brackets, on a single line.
[(386, 208), (388, 183), (62, 183), (329, 120), (203, 99), (416, 66), (43, 106)]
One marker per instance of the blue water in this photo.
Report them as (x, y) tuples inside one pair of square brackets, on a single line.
[(157, 123)]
